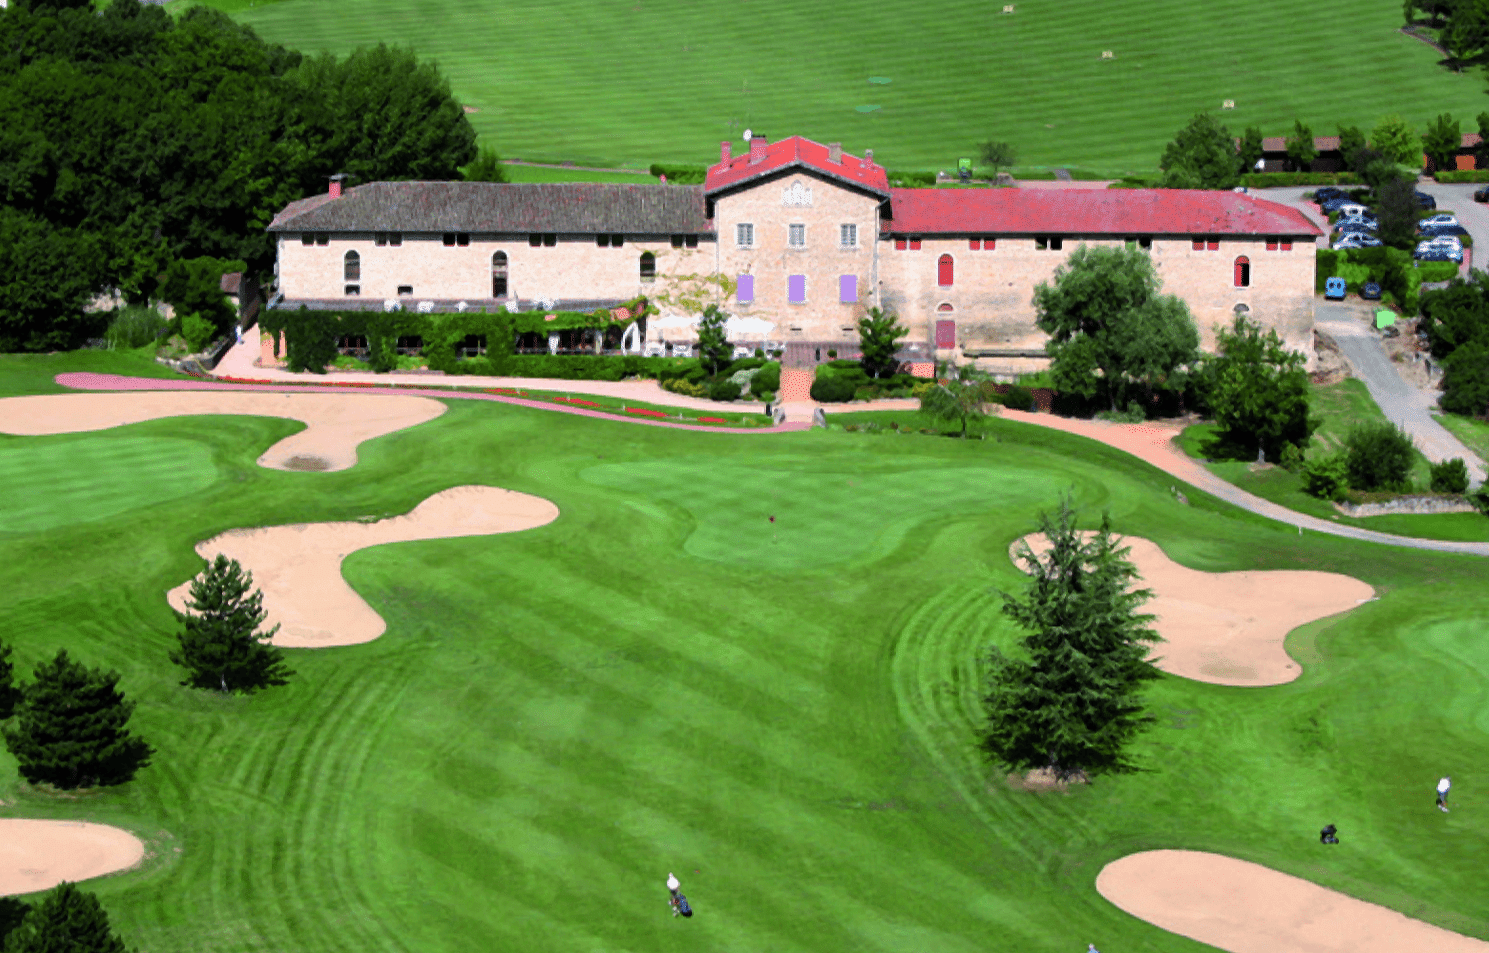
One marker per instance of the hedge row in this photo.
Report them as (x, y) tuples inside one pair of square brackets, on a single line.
[(680, 174), (1470, 175), (1269, 180)]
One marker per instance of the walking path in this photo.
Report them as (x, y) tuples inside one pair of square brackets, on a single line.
[(1402, 404)]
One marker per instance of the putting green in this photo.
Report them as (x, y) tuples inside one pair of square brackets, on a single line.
[(821, 517), (52, 482)]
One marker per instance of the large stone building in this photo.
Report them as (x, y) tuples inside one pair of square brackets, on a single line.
[(808, 238)]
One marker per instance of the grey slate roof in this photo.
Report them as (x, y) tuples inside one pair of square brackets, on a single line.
[(584, 207)]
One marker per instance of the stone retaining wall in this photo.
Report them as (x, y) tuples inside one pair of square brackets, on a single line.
[(1407, 505)]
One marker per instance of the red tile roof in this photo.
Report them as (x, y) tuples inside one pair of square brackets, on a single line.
[(1090, 212), (796, 151), (231, 282)]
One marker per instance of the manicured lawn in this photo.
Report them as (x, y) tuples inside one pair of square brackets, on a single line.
[(1473, 433), (531, 173), (557, 718), (632, 82)]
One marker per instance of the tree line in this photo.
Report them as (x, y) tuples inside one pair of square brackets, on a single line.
[(130, 141)]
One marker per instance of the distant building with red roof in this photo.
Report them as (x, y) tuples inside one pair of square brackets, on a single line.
[(807, 237)]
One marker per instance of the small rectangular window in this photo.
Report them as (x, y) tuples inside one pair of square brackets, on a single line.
[(1042, 244), (848, 236), (915, 244), (690, 241), (550, 240), (395, 238), (974, 244), (796, 289), (746, 292), (988, 244), (899, 244), (308, 238), (322, 238), (405, 290), (617, 241), (1056, 244), (847, 289), (1199, 244), (1271, 244), (744, 235), (676, 241), (1145, 242), (462, 239), (449, 239), (352, 290), (1287, 245), (796, 236), (535, 240), (380, 238), (1212, 244), (602, 241)]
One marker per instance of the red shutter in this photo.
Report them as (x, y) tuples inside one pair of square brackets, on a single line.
[(988, 244), (1243, 272), (1213, 244), (1271, 244), (944, 271), (915, 244), (1199, 244), (974, 244), (1287, 246), (899, 244)]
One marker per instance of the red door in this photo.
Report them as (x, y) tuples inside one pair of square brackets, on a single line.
[(945, 334)]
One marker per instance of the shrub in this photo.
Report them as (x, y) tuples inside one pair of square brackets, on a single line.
[(1266, 180), (1432, 271), (1467, 175), (135, 326), (832, 355), (1378, 456), (911, 179), (681, 385), (724, 389), (833, 390), (765, 395), (768, 381), (1292, 458), (1480, 499), (1326, 477), (1466, 381), (196, 331), (1017, 397), (680, 174), (1450, 476)]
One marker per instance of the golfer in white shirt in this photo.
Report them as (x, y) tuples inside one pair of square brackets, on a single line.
[(1443, 787)]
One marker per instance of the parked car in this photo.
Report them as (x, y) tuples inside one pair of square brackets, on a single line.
[(1444, 231), (1425, 201), (1328, 192), (1446, 218), (1354, 210), (1427, 251), (1355, 225), (1332, 205), (1449, 240), (1482, 195), (1355, 240), (1334, 289), (1370, 291)]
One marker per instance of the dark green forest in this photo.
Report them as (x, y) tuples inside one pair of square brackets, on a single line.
[(132, 141)]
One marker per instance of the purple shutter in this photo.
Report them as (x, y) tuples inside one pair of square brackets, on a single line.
[(746, 289), (796, 289), (847, 289)]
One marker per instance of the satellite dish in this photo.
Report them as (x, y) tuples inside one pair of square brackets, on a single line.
[(747, 135)]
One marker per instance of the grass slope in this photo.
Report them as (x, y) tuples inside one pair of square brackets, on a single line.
[(629, 82), (557, 718)]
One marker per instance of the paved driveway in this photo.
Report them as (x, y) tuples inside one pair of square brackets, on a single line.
[(1402, 404)]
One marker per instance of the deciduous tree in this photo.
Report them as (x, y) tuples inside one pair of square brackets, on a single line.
[(1351, 140), (9, 694), (65, 920), (956, 401), (1252, 149), (47, 278), (1203, 152), (221, 646), (879, 333), (1071, 701), (1257, 390), (70, 728), (999, 155), (1465, 382), (486, 167), (1109, 327), (1393, 138), (1441, 142)]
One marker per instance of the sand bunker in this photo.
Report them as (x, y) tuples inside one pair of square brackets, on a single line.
[(335, 423), (38, 855), (1247, 908), (298, 567), (1228, 627)]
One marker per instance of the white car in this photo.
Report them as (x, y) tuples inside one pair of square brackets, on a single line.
[(1442, 241), (1446, 219), (1355, 240)]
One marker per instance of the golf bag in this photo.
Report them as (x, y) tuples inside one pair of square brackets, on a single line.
[(683, 907), (1327, 835)]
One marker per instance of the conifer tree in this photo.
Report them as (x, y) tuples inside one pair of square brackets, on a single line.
[(67, 920), (1073, 705), (70, 728), (221, 647), (9, 694)]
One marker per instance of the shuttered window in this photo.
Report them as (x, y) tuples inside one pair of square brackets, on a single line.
[(899, 244), (1212, 244), (1243, 272), (1271, 244), (944, 271), (974, 244), (796, 289), (847, 289), (915, 244), (1199, 244), (746, 292), (1287, 245)]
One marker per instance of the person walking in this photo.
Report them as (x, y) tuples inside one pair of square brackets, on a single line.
[(1443, 787), (672, 885)]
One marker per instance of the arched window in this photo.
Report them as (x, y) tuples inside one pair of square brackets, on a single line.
[(944, 271), (499, 275), (648, 266), (352, 268), (1243, 272)]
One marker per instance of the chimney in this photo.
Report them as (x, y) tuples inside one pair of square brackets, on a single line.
[(757, 149), (724, 152), (336, 179), (868, 158), (835, 152)]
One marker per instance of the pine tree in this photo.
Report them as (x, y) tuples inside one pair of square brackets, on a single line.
[(67, 920), (1074, 704), (9, 694), (221, 647), (70, 728)]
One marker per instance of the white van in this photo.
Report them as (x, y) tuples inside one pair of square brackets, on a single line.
[(1354, 211)]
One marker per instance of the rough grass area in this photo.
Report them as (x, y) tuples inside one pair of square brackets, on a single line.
[(557, 718), (1473, 433), (630, 82)]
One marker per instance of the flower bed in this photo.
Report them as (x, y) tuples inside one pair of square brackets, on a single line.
[(645, 413)]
